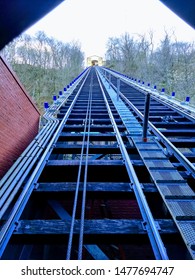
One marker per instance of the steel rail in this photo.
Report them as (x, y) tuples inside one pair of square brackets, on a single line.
[(11, 223), (174, 151), (153, 233)]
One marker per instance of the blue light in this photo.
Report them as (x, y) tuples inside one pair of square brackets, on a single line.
[(163, 90), (187, 99), (154, 87), (173, 94), (54, 98), (60, 92), (46, 105)]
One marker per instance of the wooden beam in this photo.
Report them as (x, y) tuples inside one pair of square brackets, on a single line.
[(101, 162), (67, 136), (90, 162), (185, 142), (92, 227), (61, 148), (94, 128), (97, 190), (91, 187)]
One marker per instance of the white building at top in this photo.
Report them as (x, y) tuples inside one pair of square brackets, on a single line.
[(94, 60)]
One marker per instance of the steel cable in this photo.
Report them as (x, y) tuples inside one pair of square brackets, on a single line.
[(82, 220), (69, 248)]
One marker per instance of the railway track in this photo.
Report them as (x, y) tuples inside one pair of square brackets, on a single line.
[(97, 190)]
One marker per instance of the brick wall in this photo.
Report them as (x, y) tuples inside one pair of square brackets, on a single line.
[(19, 118)]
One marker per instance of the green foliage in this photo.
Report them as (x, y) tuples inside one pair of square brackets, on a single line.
[(44, 65)]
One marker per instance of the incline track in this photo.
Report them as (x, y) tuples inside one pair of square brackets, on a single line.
[(99, 191), (167, 119)]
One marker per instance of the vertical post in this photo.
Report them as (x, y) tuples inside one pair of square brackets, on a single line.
[(109, 79), (146, 117), (118, 88)]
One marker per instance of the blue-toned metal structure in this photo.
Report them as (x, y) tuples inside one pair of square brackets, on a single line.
[(90, 186)]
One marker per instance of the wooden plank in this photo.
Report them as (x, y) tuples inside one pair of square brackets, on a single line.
[(184, 142), (100, 162), (178, 132), (91, 187), (93, 128), (93, 149), (90, 162), (175, 125), (92, 227), (66, 136), (163, 113), (72, 121)]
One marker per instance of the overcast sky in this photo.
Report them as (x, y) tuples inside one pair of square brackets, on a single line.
[(92, 22)]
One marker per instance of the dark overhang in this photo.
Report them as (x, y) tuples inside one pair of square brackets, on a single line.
[(18, 15), (185, 9)]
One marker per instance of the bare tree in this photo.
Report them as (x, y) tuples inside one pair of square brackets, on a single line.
[(44, 64), (171, 65)]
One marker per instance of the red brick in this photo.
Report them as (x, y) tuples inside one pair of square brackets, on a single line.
[(19, 117)]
